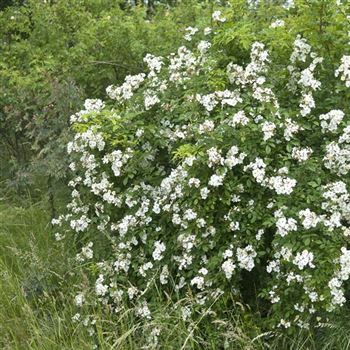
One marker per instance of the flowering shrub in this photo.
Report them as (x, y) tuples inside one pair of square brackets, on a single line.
[(196, 173)]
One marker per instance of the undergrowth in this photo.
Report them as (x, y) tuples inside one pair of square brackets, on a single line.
[(37, 304)]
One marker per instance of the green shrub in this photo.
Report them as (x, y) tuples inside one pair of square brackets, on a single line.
[(222, 172)]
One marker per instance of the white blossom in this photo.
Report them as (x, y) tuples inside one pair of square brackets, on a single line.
[(216, 180), (245, 257), (217, 16), (344, 70), (277, 23), (331, 120), (303, 259)]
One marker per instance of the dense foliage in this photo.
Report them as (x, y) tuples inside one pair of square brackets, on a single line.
[(222, 171), (54, 54)]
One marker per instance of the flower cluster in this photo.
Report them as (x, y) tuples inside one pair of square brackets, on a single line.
[(331, 120), (301, 154), (304, 79), (125, 91), (344, 70), (337, 157), (217, 16), (277, 23)]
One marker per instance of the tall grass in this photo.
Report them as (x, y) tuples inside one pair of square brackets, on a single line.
[(33, 312), (38, 280)]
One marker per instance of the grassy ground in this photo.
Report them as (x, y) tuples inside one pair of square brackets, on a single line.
[(33, 314), (37, 286)]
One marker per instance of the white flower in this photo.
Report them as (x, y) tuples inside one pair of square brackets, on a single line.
[(337, 293), (143, 310), (268, 129), (194, 182), (233, 157), (246, 257), (207, 30), (150, 100), (331, 120), (203, 271), (304, 259), (217, 17), (258, 170), (159, 248), (301, 154), (344, 262), (238, 118), (80, 224), (76, 317), (86, 253), (307, 103), (337, 157), (228, 267), (307, 79), (190, 215), (209, 102), (59, 237), (132, 291), (301, 50), (234, 226), (163, 278), (154, 63), (313, 296), (117, 158), (93, 105), (201, 223), (100, 288), (282, 185), (216, 180), (204, 192), (145, 267), (290, 128), (344, 70), (139, 132), (190, 31), (79, 299), (286, 225), (186, 313), (273, 296), (214, 157), (207, 126), (228, 253), (126, 90), (284, 323), (198, 281), (310, 219), (288, 4), (203, 46), (259, 234), (277, 23)]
